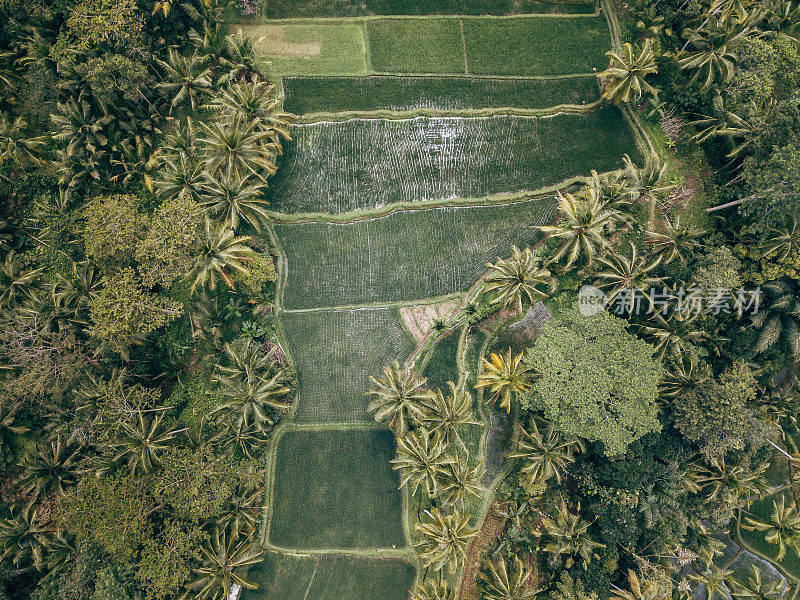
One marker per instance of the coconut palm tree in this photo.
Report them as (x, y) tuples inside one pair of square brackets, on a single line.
[(443, 539), (447, 413), (624, 79), (239, 148), (713, 581), (240, 514), (567, 533), (499, 582), (459, 479), (220, 252), (247, 361), (518, 280), (222, 567), (505, 377), (783, 16), (580, 230), (53, 468), (778, 319), (76, 124), (649, 182), (676, 241), (719, 479), (668, 336), (179, 175), (399, 397), (252, 400), (439, 589), (73, 294), (640, 589), (15, 146), (17, 284), (611, 190), (240, 437), (783, 241), (545, 455), (186, 79), (23, 537), (627, 274), (711, 57), (255, 102), (781, 528), (682, 376), (231, 199), (141, 441), (758, 588), (721, 122), (421, 456)]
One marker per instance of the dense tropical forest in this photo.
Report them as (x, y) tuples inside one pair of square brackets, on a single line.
[(209, 307)]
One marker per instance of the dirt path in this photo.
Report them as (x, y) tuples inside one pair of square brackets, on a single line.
[(491, 528)]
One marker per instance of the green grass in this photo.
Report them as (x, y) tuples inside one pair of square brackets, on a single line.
[(416, 45), (407, 255), (335, 353), (352, 8), (340, 94), (330, 577), (536, 46), (359, 164), (441, 365), (336, 489), (763, 508), (309, 48)]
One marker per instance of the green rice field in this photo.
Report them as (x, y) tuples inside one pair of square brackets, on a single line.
[(416, 45), (441, 365), (392, 92), (336, 489), (309, 48), (357, 164), (335, 352), (330, 577), (281, 9), (536, 45), (403, 256), (516, 46)]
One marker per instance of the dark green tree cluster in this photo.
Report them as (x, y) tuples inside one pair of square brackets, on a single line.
[(140, 372)]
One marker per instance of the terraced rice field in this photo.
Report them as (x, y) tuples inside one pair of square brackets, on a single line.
[(515, 46), (315, 503), (376, 214), (401, 93), (366, 164), (335, 352), (331, 577), (403, 256)]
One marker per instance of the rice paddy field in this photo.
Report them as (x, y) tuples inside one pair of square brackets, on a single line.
[(331, 577), (401, 93), (315, 502), (361, 164), (513, 46), (386, 211), (536, 45), (335, 352), (355, 8), (405, 255)]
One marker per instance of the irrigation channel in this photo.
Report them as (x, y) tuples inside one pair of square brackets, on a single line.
[(380, 219)]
